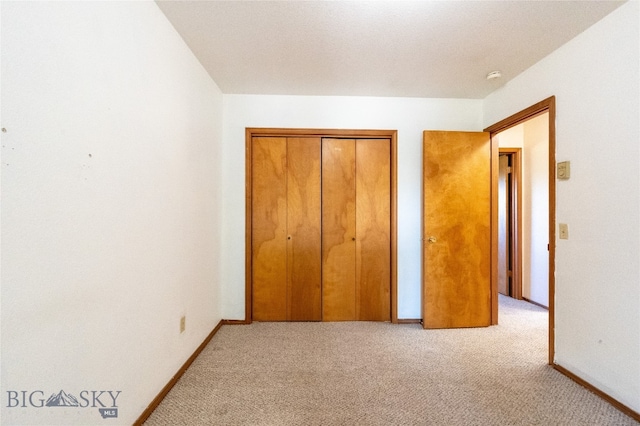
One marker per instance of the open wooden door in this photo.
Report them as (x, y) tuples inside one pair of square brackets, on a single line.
[(457, 247)]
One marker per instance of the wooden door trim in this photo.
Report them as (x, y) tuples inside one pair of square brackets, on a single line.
[(546, 105), (251, 132), (516, 218), (322, 133)]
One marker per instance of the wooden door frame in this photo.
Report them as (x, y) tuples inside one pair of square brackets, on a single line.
[(546, 105), (251, 132), (515, 194)]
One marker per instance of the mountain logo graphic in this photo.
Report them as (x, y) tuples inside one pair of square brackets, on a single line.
[(62, 399)]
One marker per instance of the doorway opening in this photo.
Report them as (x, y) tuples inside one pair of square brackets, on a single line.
[(523, 210), (509, 222), (533, 229)]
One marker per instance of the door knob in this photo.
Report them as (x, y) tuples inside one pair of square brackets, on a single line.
[(432, 239)]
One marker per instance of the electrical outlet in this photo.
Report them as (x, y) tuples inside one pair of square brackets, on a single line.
[(183, 323), (564, 231)]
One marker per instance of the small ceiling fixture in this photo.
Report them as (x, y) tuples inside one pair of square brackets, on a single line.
[(493, 75)]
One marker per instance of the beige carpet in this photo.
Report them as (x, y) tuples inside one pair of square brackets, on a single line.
[(362, 373)]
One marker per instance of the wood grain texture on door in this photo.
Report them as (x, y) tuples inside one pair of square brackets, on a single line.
[(373, 226), (321, 228), (457, 229), (338, 230), (304, 257), (269, 222)]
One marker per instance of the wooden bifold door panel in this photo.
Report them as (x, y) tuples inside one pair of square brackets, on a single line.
[(356, 240), (321, 241), (286, 229), (339, 229)]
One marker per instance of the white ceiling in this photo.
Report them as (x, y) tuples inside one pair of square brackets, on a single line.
[(433, 49)]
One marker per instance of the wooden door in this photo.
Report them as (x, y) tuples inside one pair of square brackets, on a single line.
[(269, 214), (356, 220), (457, 229), (338, 230), (286, 257), (304, 258), (373, 225)]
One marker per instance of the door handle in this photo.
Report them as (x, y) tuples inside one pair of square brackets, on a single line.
[(432, 239)]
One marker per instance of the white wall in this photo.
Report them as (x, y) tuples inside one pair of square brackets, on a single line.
[(533, 137), (407, 115), (595, 78), (110, 206)]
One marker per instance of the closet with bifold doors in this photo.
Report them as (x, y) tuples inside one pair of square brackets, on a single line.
[(319, 228)]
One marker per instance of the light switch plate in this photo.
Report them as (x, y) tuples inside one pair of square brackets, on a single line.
[(563, 231), (563, 170)]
